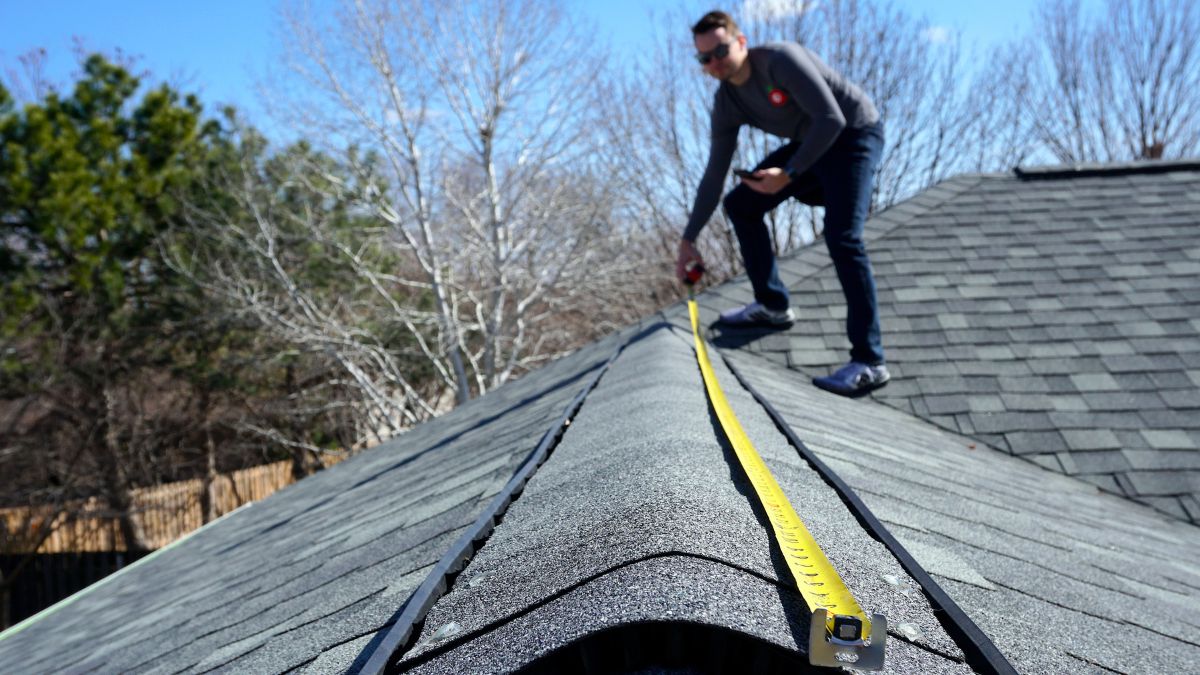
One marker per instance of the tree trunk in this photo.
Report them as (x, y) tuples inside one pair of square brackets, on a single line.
[(5, 604), (210, 502), (304, 463), (118, 492)]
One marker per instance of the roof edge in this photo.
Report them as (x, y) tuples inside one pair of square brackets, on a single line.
[(119, 574), (922, 202), (1087, 169)]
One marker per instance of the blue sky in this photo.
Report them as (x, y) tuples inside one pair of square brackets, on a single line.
[(218, 48)]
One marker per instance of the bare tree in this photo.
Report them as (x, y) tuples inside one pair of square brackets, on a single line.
[(655, 124), (1000, 132), (1120, 85), (473, 236), (367, 89), (30, 83), (254, 252), (1156, 62), (1075, 127), (516, 77)]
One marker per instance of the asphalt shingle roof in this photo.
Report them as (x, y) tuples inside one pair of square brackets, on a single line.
[(1053, 314), (636, 546), (309, 576), (636, 520), (1061, 577)]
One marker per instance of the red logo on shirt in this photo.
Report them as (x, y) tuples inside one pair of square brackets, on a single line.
[(777, 97)]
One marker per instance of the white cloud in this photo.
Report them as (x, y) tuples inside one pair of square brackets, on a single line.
[(765, 10), (938, 35)]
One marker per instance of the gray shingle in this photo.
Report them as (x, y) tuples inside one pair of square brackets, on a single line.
[(1168, 439), (1191, 507), (1188, 400), (1028, 384), (999, 368), (1117, 401), (1163, 483), (1023, 442), (1106, 482), (1132, 440), (1091, 439), (1147, 459), (1169, 505), (1170, 419), (1135, 382), (1104, 461), (1142, 363), (942, 384), (1096, 419), (1005, 422), (1068, 403), (1053, 462), (946, 404), (1026, 402), (1100, 381), (1105, 347), (1044, 350)]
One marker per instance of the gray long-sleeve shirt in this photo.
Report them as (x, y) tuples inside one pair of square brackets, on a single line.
[(792, 94)]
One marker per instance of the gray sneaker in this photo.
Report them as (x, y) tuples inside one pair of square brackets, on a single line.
[(854, 379), (754, 314)]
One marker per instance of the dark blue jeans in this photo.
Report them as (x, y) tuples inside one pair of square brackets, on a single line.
[(841, 182)]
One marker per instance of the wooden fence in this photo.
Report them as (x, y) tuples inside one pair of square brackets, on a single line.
[(165, 513), (85, 542)]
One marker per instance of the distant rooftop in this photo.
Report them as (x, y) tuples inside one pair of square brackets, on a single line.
[(1053, 313)]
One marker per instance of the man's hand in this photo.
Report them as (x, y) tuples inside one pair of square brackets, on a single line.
[(687, 255), (768, 181)]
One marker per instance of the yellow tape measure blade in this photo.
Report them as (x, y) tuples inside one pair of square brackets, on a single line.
[(841, 633)]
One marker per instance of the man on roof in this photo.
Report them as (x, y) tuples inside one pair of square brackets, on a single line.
[(835, 140)]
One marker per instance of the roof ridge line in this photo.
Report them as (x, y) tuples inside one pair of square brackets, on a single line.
[(384, 652), (925, 201), (458, 640), (675, 629), (1087, 169)]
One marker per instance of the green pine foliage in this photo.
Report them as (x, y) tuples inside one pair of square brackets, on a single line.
[(88, 185), (119, 365), (113, 372)]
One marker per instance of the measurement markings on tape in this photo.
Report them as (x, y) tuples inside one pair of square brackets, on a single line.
[(841, 633)]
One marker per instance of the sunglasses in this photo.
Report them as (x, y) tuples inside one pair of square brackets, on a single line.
[(718, 52)]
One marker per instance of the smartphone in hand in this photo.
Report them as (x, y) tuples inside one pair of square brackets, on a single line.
[(744, 174)]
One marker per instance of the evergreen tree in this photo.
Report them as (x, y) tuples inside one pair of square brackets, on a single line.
[(88, 182)]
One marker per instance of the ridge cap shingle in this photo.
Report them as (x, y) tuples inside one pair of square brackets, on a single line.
[(1084, 169)]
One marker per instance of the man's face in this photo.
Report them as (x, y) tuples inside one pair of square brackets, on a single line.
[(715, 41)]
